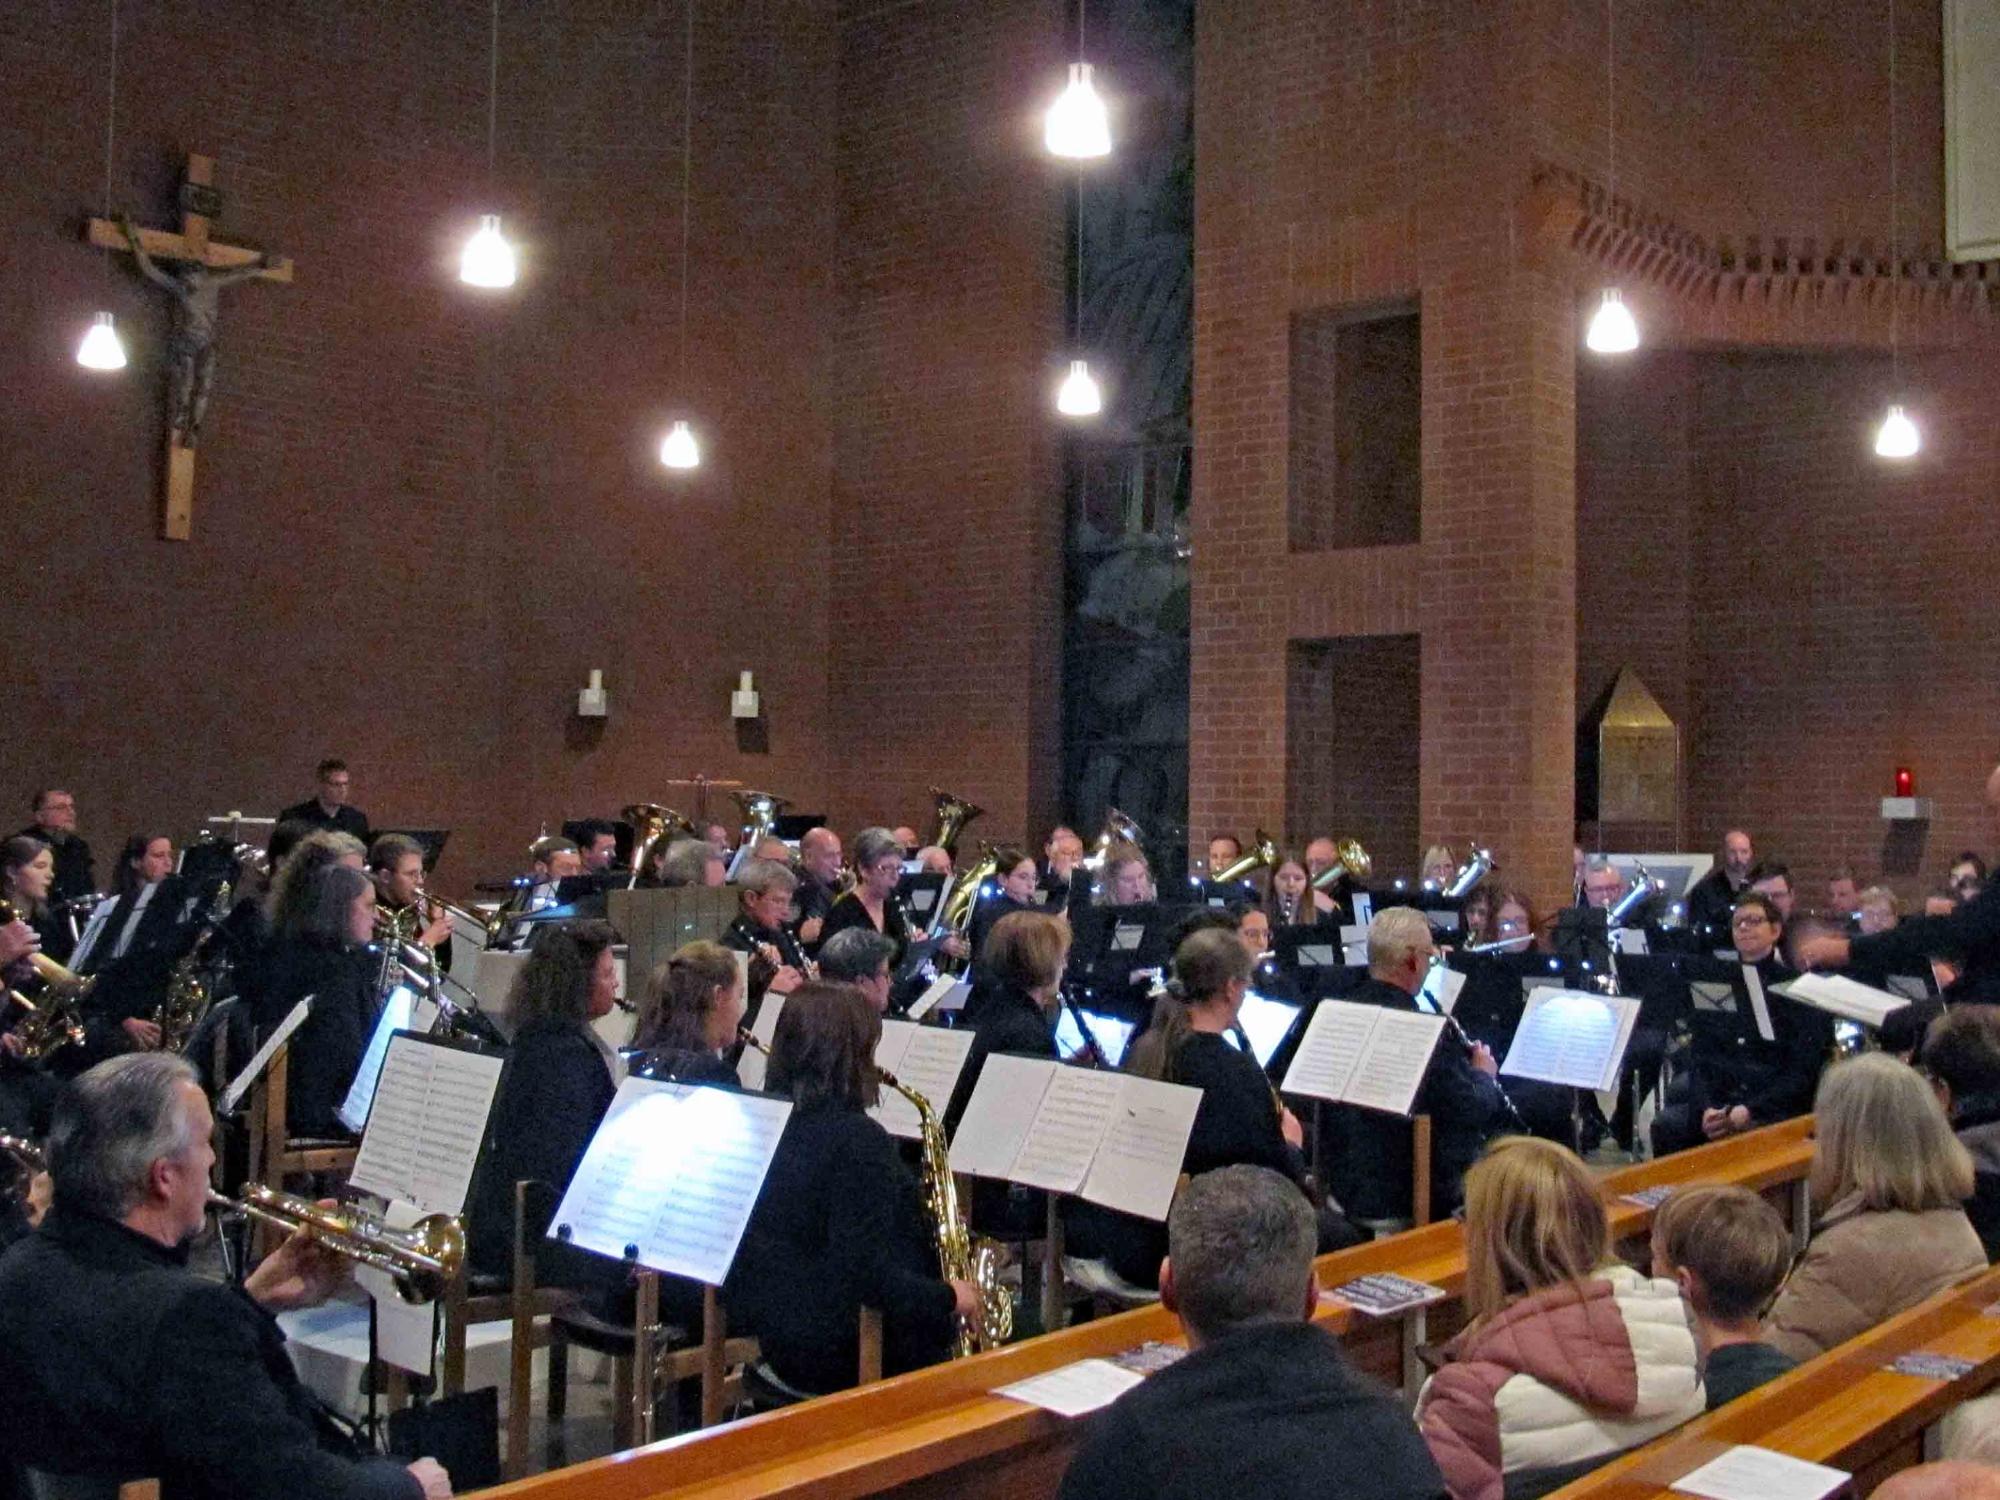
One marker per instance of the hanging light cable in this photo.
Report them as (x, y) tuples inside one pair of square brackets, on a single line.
[(1612, 329), (101, 348), (1079, 395), (488, 260), (1897, 437), (1077, 126), (679, 450)]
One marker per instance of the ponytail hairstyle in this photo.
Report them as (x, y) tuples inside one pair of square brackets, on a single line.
[(1204, 965), (682, 995)]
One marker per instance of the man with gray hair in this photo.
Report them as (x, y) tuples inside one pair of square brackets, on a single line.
[(1373, 1169), (1264, 1404), (777, 965), (119, 1363), (860, 957)]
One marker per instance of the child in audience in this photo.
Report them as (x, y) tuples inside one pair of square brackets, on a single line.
[(1570, 1357), (1961, 1053), (1728, 1251), (1892, 1179)]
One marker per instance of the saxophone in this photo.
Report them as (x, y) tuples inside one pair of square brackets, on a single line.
[(187, 999), (960, 1256), (53, 1022)]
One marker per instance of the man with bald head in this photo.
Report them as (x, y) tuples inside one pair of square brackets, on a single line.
[(819, 878), (1969, 934), (1711, 899)]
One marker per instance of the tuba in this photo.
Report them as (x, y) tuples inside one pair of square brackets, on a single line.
[(760, 814), (422, 1260), (955, 911), (1118, 829), (1479, 863), (1263, 855), (1350, 862), (652, 825), (953, 813), (960, 1256)]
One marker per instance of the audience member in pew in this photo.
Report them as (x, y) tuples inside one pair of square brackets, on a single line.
[(1373, 1168), (1951, 1479), (322, 952), (1264, 1404), (1961, 1054), (552, 1098), (840, 1223), (1893, 1231), (1569, 1357), (1728, 1251), (688, 1019), (119, 1363)]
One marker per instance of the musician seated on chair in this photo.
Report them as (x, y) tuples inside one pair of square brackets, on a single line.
[(1015, 874), (55, 825), (1223, 851), (860, 958), (1373, 1169), (819, 883), (322, 951), (687, 862), (1265, 1403), (132, 951), (596, 844), (1289, 902), (396, 862), (840, 1223), (27, 881), (1125, 879), (873, 904), (119, 1363), (689, 1017), (764, 898), (1322, 854), (1065, 884)]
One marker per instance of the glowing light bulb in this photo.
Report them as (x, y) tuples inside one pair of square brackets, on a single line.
[(487, 260), (1897, 437), (1077, 125), (101, 349), (679, 450), (1079, 396), (1612, 330)]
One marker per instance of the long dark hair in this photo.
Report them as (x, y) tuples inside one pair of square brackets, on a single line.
[(1204, 965), (16, 855), (823, 1053), (554, 984), (134, 851), (674, 1014)]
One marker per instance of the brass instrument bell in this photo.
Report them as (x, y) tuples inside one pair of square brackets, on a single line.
[(652, 825), (1263, 855), (953, 813), (1479, 863), (1350, 862), (422, 1260), (1118, 829)]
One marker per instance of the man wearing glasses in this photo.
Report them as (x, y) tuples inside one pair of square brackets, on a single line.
[(55, 825), (329, 806)]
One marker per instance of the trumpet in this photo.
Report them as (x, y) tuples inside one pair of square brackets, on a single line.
[(422, 1260), (59, 980)]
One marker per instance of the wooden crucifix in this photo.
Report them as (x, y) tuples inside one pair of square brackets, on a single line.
[(193, 268)]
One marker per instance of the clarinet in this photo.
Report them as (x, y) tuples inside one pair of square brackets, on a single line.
[(1471, 1050), (1089, 1037)]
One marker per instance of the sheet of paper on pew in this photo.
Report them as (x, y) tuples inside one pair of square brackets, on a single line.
[(1651, 1197), (671, 1176), (1110, 1138), (946, 993), (1838, 995), (751, 1063), (421, 1143), (925, 1058), (1384, 1294), (1927, 1366), (1073, 1390), (1572, 1037), (1364, 1054), (1748, 1473)]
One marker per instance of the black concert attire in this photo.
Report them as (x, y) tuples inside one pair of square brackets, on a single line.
[(745, 936), (685, 1065), (52, 929), (839, 1224), (849, 912), (120, 1363), (1373, 1168), (812, 899), (133, 959), (1711, 901), (1969, 936), (552, 1098), (1003, 1018), (76, 871), (1975, 1120), (989, 911), (325, 1052), (1267, 1409), (343, 819), (1730, 1062)]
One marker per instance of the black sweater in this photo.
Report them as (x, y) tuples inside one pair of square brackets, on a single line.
[(325, 1052)]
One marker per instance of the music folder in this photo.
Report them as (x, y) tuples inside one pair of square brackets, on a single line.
[(671, 1176), (1846, 998), (1110, 1138), (1364, 1054), (925, 1058), (1572, 1037)]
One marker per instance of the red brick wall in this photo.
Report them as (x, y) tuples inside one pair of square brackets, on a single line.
[(1353, 731)]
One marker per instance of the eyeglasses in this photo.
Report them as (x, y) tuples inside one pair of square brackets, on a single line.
[(1750, 919)]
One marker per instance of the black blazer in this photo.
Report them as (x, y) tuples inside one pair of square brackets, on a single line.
[(1003, 1019), (133, 983), (1271, 1410), (119, 1362), (345, 819), (685, 1065), (840, 1224), (552, 1098), (325, 1052), (1372, 1167), (849, 912), (1775, 1080), (989, 911)]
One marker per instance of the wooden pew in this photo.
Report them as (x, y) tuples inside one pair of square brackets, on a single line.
[(1843, 1409), (938, 1432)]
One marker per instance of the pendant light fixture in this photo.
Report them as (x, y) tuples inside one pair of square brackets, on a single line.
[(679, 449), (1612, 329), (1077, 126), (487, 259), (1079, 396), (1897, 437), (101, 348)]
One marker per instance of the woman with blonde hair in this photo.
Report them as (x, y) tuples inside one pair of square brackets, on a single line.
[(688, 1020), (1570, 1357), (1892, 1181)]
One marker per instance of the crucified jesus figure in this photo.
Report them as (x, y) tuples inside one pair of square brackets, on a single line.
[(197, 294)]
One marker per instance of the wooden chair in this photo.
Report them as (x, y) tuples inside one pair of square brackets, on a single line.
[(275, 1154), (651, 1369)]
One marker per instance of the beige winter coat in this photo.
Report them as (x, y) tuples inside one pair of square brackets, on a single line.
[(1863, 1268)]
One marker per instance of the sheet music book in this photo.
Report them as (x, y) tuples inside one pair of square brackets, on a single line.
[(402, 1011), (1572, 1037), (1364, 1054), (1110, 1138), (1847, 998), (93, 933), (941, 996), (928, 1059), (1266, 1023), (428, 1123), (751, 1065), (232, 1097), (1441, 988), (671, 1176)]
